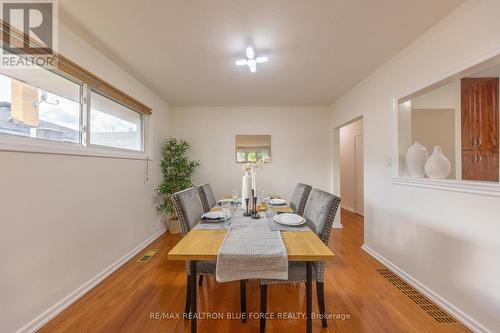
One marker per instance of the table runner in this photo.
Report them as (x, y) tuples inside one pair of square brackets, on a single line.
[(251, 251)]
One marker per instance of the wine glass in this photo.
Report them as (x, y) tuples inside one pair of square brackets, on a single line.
[(233, 208), (235, 195), (225, 208)]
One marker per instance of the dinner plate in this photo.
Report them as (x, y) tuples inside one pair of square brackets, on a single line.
[(215, 216), (277, 202), (221, 201), (289, 219), (228, 202)]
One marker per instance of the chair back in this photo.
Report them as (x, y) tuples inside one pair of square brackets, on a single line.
[(299, 198), (188, 207), (207, 197), (320, 212)]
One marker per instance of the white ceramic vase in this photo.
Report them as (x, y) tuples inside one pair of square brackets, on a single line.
[(246, 187), (416, 156), (437, 166)]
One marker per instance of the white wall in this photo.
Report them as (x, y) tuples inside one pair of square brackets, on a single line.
[(447, 241), (65, 219), (348, 134), (300, 145)]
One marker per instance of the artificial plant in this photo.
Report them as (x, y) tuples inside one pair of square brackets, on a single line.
[(177, 170)]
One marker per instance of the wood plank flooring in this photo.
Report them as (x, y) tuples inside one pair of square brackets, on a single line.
[(128, 299)]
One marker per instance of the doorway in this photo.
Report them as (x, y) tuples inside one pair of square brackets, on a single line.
[(352, 166)]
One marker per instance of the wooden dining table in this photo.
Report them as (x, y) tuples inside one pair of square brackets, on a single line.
[(200, 244)]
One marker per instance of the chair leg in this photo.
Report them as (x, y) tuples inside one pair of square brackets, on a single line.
[(321, 302), (263, 306), (187, 309), (200, 280), (243, 300)]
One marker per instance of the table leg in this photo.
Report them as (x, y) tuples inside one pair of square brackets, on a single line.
[(309, 297), (193, 286)]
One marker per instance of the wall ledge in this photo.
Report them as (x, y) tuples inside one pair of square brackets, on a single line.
[(462, 186)]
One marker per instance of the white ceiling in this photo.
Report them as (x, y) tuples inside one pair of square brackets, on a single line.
[(318, 49)]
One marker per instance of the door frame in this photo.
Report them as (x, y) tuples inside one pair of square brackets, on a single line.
[(335, 164)]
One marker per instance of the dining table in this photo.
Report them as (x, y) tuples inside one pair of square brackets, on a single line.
[(204, 244)]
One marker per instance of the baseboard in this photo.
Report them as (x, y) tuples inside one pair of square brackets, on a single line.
[(347, 208), (471, 323), (60, 306), (337, 225)]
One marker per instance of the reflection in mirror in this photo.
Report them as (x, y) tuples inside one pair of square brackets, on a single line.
[(451, 129), (251, 148)]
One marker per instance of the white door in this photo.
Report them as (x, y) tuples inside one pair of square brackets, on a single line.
[(359, 181)]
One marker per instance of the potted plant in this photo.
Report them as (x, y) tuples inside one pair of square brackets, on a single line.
[(177, 170)]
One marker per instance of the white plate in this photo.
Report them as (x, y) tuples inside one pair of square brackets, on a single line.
[(276, 202), (215, 216), (289, 219), (225, 200)]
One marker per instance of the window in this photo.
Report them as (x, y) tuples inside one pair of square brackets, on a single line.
[(40, 104), (47, 105), (114, 125)]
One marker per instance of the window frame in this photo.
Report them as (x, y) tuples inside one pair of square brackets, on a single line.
[(17, 143), (86, 129)]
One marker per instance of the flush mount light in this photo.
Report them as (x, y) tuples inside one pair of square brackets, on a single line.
[(251, 61)]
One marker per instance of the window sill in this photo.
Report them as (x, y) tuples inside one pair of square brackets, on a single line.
[(463, 186), (37, 146)]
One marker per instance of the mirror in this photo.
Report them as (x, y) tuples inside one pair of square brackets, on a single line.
[(251, 148), (450, 130)]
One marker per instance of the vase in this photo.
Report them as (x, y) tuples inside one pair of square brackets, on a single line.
[(437, 166), (246, 187), (416, 156)]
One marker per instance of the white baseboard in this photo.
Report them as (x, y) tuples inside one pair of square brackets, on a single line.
[(347, 208), (337, 225), (465, 319), (60, 306)]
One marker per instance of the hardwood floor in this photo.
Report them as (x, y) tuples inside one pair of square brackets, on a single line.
[(126, 300)]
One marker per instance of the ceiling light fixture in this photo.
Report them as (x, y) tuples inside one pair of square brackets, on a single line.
[(251, 61)]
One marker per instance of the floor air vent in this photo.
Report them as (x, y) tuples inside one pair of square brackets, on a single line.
[(148, 255), (423, 302)]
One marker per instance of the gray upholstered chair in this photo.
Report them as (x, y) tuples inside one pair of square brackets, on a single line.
[(207, 197), (319, 213), (188, 208), (299, 198)]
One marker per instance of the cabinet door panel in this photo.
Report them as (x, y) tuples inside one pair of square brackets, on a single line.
[(479, 101), (480, 165)]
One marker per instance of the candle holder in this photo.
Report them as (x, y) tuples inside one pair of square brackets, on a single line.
[(247, 213), (255, 214)]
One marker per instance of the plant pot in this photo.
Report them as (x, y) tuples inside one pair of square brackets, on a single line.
[(174, 225)]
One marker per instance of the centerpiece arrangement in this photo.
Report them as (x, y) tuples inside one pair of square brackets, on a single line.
[(248, 184)]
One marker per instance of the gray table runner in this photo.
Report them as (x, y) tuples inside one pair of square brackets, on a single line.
[(251, 251)]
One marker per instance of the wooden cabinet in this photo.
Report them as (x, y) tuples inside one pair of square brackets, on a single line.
[(480, 134)]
